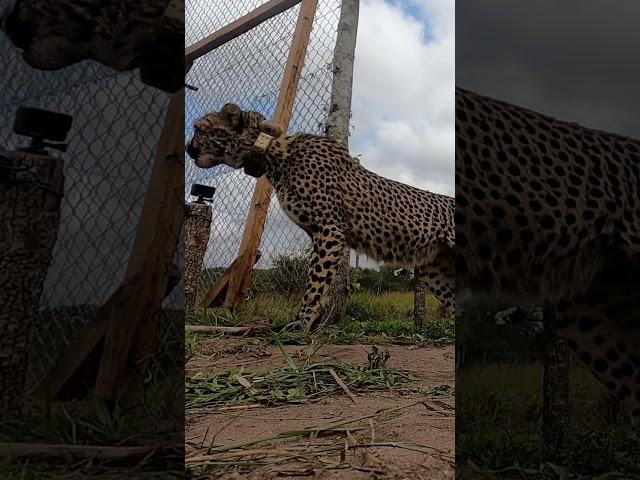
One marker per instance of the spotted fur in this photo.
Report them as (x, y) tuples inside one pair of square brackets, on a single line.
[(549, 212), (337, 202), (120, 34)]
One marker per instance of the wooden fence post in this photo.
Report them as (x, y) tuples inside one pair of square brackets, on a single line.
[(113, 351), (238, 280), (31, 187), (555, 402), (419, 302)]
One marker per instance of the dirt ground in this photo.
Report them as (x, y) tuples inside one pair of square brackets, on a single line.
[(430, 430)]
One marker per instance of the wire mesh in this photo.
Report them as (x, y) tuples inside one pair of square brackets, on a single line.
[(116, 126), (248, 71)]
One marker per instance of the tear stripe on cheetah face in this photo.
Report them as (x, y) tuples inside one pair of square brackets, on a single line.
[(337, 202), (545, 210), (119, 34)]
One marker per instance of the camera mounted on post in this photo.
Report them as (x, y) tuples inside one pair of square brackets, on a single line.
[(42, 126), (204, 193)]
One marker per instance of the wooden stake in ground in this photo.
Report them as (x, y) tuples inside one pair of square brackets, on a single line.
[(197, 225), (31, 187), (238, 281), (555, 411), (419, 302)]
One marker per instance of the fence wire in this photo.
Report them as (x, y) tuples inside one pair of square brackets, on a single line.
[(116, 126), (248, 71)]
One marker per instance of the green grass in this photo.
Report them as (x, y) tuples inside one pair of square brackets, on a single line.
[(369, 318), (499, 435), (288, 385), (93, 422), (192, 341), (299, 382)]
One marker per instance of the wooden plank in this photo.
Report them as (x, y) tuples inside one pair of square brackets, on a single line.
[(137, 300), (230, 330), (240, 282), (152, 216), (219, 288), (245, 23), (131, 329), (73, 358), (216, 295)]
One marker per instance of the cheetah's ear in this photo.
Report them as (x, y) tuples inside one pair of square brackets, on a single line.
[(270, 128), (232, 114)]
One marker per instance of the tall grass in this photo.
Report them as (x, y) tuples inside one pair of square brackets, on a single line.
[(369, 318), (499, 420)]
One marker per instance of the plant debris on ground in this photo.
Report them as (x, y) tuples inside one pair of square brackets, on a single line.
[(350, 450), (295, 385)]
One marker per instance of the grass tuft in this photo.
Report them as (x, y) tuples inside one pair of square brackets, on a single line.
[(305, 383)]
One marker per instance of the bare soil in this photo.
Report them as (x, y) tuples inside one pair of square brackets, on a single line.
[(431, 430)]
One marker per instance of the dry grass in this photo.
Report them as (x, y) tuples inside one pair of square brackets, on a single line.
[(341, 444)]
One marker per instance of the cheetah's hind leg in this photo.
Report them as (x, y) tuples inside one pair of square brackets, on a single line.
[(440, 278)]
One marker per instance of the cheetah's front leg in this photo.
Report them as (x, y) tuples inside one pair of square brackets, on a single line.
[(328, 246)]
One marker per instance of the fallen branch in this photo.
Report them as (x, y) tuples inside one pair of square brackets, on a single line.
[(102, 452), (245, 330)]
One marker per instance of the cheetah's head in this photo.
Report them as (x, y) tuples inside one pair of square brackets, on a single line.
[(228, 137), (122, 35)]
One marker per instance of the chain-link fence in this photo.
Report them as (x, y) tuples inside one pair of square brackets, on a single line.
[(111, 146), (248, 71)]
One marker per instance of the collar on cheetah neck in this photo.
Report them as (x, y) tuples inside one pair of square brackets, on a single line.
[(263, 141)]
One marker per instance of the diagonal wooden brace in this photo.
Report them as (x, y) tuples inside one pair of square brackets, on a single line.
[(237, 278)]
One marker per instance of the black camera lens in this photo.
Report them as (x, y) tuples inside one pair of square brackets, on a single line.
[(202, 191), (44, 124)]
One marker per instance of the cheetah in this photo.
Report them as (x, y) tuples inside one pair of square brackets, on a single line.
[(336, 201), (120, 34), (548, 212)]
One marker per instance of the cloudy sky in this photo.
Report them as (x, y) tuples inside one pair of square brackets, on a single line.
[(403, 91), (574, 60)]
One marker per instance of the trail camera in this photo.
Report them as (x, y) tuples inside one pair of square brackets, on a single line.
[(204, 193), (42, 126)]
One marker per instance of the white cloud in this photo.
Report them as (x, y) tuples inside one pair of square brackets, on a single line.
[(403, 92)]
